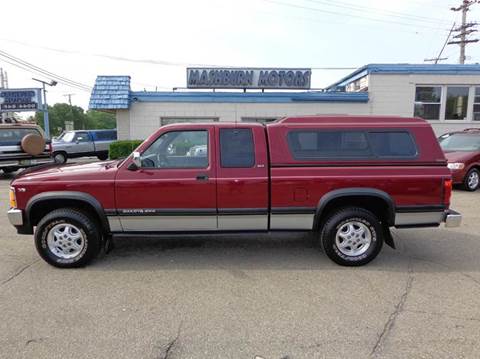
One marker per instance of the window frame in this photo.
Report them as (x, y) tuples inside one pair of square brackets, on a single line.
[(439, 103), (366, 132), (443, 104), (453, 120), (475, 88), (180, 168)]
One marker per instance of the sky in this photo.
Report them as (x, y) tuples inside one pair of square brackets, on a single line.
[(154, 41)]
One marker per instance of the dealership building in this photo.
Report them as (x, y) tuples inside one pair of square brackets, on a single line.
[(448, 96)]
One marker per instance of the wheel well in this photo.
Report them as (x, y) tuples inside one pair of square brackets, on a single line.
[(42, 208), (378, 206)]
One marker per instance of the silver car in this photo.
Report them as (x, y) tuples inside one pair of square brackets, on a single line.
[(82, 143)]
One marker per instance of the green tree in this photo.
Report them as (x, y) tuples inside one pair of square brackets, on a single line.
[(61, 112), (100, 120)]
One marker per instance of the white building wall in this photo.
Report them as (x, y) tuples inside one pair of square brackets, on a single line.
[(395, 95), (145, 117), (123, 124), (388, 95)]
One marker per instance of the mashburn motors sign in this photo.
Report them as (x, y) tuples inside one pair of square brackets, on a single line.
[(16, 100), (248, 78)]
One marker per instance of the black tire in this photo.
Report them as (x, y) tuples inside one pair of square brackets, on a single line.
[(60, 157), (8, 170), (102, 156), (87, 227), (467, 183), (363, 219)]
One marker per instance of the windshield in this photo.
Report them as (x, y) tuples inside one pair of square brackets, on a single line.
[(460, 142), (68, 136)]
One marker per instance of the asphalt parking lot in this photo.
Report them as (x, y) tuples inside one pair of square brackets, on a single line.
[(241, 297)]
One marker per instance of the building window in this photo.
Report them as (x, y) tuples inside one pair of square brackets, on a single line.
[(427, 102), (169, 120), (476, 105), (457, 103)]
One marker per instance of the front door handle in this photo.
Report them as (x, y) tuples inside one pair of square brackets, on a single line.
[(202, 177)]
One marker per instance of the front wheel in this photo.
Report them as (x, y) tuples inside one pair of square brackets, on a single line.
[(60, 157), (472, 180), (352, 236), (67, 238), (102, 156)]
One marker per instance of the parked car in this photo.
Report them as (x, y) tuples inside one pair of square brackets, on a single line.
[(22, 146), (462, 150), (73, 144), (346, 179)]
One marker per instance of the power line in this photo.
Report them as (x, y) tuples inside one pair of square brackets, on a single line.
[(439, 57), (396, 14), (15, 61), (344, 14)]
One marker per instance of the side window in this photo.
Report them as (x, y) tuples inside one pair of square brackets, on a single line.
[(178, 149), (350, 145), (236, 148), (392, 144), (82, 137), (315, 144)]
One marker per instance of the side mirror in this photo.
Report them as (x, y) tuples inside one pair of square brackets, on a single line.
[(136, 161)]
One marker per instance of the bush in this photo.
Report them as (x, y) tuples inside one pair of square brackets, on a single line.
[(122, 149)]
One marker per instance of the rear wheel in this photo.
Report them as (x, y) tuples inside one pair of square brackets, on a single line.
[(471, 181), (67, 238), (352, 236), (60, 157)]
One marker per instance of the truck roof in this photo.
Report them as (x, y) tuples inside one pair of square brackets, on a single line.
[(354, 119)]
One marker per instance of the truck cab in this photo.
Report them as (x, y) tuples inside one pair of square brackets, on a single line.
[(82, 143)]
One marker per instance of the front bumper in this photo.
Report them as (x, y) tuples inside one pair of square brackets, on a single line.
[(17, 219), (15, 216), (452, 218)]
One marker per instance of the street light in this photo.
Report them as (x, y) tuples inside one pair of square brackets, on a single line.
[(45, 106)]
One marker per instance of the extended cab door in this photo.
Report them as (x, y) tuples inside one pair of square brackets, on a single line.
[(242, 177), (175, 189)]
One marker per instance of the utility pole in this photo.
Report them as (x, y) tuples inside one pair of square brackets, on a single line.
[(465, 29), (69, 95), (46, 123), (3, 85)]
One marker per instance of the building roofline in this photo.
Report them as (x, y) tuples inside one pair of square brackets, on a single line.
[(247, 97), (434, 69)]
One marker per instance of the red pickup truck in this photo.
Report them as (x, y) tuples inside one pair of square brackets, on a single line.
[(348, 179)]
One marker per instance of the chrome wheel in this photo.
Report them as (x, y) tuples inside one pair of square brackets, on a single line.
[(353, 238), (473, 180), (65, 241)]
